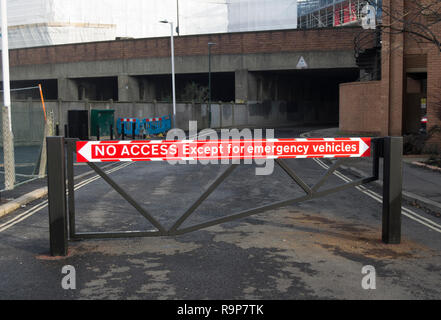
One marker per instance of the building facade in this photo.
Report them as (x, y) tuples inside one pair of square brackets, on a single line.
[(34, 23), (410, 85)]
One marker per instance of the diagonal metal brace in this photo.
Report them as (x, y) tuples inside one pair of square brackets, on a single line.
[(274, 205), (327, 174), (292, 174), (204, 196), (126, 196)]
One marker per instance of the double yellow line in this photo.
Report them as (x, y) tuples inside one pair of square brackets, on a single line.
[(377, 197), (28, 213)]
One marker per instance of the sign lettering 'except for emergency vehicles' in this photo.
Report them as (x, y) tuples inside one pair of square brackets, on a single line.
[(162, 150)]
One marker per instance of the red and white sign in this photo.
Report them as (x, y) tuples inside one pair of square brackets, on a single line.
[(153, 119), (162, 150)]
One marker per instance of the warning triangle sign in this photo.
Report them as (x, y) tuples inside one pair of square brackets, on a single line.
[(302, 64)]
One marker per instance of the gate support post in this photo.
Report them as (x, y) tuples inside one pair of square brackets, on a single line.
[(56, 182), (392, 189)]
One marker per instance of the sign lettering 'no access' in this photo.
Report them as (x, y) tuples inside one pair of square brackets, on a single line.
[(162, 150)]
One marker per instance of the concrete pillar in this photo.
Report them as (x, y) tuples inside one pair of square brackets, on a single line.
[(128, 88), (266, 88), (245, 86), (147, 90), (67, 89), (82, 95)]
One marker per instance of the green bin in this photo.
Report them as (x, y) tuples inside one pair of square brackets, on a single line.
[(103, 119)]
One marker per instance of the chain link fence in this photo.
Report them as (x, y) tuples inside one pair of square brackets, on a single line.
[(21, 150)]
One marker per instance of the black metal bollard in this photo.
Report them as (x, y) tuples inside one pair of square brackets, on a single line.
[(57, 129), (111, 131), (66, 133), (98, 132), (122, 130), (56, 182), (133, 130), (392, 189), (84, 135)]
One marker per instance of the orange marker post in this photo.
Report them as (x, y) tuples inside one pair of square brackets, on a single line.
[(42, 101)]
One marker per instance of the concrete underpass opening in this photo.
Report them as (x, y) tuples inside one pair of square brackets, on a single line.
[(311, 96), (189, 87), (19, 92), (97, 89)]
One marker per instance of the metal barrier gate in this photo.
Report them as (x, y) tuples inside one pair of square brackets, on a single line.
[(63, 224)]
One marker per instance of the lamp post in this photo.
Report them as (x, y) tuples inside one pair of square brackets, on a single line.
[(173, 69), (8, 138), (209, 82)]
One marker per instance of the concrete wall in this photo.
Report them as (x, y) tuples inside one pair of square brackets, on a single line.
[(187, 64), (74, 65), (28, 119), (323, 40), (269, 114), (184, 112)]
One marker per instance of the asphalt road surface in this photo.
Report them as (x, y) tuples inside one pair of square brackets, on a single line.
[(311, 250)]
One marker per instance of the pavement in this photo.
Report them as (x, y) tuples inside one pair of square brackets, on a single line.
[(30, 190), (311, 250), (421, 183)]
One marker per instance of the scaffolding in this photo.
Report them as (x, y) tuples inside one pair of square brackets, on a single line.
[(331, 13), (34, 23)]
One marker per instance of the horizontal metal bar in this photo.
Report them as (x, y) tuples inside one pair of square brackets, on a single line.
[(345, 186), (273, 206), (126, 196), (118, 234), (242, 214)]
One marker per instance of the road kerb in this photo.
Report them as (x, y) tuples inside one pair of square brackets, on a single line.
[(426, 166), (21, 201), (409, 196), (34, 195)]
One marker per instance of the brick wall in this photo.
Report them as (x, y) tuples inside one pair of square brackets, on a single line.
[(415, 50), (360, 109), (229, 43), (434, 93)]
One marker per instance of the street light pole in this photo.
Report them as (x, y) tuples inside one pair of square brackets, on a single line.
[(8, 138), (5, 61), (173, 69), (209, 82)]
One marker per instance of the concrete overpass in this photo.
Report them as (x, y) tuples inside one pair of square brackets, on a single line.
[(132, 68)]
